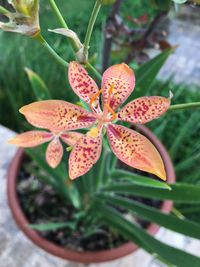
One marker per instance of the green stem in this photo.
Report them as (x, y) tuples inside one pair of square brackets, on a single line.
[(184, 106), (4, 11), (96, 74), (93, 18), (60, 18), (50, 50), (62, 22)]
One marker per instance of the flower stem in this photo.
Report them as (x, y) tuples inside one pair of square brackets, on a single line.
[(60, 18), (97, 75), (50, 50), (62, 22), (4, 11), (184, 106), (93, 18)]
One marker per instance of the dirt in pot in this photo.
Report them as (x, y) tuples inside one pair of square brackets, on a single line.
[(42, 205)]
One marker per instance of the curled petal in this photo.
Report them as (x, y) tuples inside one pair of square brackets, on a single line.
[(144, 109), (82, 84), (31, 138), (122, 79), (84, 155), (54, 153), (57, 115), (70, 34), (135, 150), (71, 138)]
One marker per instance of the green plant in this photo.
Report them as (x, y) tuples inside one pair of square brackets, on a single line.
[(112, 185)]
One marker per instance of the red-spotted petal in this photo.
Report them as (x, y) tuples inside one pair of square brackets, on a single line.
[(122, 79), (54, 153), (82, 84), (144, 109), (71, 138), (84, 155), (57, 115), (135, 150), (31, 138)]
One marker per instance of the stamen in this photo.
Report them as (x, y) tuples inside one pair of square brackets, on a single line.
[(110, 90), (95, 96), (114, 116)]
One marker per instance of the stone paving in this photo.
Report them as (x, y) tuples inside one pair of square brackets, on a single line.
[(18, 251), (184, 31)]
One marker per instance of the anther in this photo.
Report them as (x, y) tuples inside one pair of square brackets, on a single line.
[(114, 116), (95, 96)]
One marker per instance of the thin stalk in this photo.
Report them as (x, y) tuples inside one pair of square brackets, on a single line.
[(4, 11), (50, 50), (60, 18), (88, 35), (184, 106), (96, 74)]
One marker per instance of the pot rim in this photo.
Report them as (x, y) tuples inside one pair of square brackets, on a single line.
[(72, 255)]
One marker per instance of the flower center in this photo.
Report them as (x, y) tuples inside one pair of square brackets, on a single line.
[(108, 113)]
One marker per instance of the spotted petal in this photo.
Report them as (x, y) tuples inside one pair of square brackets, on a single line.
[(84, 155), (57, 115), (71, 138), (122, 79), (54, 153), (135, 150), (144, 109), (31, 138), (82, 84)]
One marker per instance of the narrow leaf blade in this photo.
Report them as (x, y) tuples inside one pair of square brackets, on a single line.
[(146, 241), (180, 192), (169, 221), (139, 180), (39, 87)]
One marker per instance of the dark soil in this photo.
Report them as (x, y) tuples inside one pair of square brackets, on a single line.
[(41, 205)]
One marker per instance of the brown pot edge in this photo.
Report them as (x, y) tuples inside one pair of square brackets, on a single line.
[(83, 257)]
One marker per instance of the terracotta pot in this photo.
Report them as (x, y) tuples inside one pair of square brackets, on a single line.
[(83, 257)]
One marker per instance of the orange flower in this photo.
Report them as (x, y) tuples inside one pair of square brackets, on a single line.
[(129, 146), (54, 151)]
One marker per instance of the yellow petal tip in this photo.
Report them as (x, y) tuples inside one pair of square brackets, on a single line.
[(161, 175)]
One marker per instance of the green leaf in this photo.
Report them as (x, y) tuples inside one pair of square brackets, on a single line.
[(39, 88), (147, 73), (179, 138), (3, 10), (63, 185), (139, 180), (52, 226), (180, 192), (108, 2), (162, 4), (145, 240), (169, 221)]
